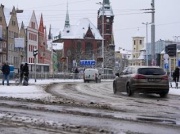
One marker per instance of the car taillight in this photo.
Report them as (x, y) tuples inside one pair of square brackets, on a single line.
[(138, 76), (165, 77)]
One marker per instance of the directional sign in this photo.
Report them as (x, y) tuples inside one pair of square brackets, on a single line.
[(166, 65), (87, 62)]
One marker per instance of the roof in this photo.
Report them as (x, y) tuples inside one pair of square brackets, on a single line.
[(56, 46), (80, 29), (107, 11), (141, 56)]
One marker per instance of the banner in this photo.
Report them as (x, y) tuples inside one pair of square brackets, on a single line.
[(19, 42)]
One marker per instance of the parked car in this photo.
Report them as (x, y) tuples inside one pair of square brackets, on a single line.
[(142, 79), (91, 74)]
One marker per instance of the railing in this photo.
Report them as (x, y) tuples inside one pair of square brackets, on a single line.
[(63, 75)]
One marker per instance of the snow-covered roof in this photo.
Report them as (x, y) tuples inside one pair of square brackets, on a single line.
[(123, 51), (131, 57), (141, 56), (80, 29), (107, 10), (56, 46)]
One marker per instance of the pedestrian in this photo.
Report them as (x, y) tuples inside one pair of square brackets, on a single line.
[(76, 73), (21, 73), (26, 74), (6, 71), (176, 76)]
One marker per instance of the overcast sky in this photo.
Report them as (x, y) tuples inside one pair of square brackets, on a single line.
[(128, 16)]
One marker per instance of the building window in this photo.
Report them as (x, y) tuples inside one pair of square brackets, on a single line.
[(89, 50), (33, 25), (134, 42), (13, 23), (140, 42)]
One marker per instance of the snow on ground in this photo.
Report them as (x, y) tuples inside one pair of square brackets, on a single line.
[(33, 91)]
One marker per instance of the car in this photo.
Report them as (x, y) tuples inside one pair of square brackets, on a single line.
[(142, 79), (91, 74)]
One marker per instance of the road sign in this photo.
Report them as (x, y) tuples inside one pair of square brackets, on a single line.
[(87, 62), (166, 56), (166, 66)]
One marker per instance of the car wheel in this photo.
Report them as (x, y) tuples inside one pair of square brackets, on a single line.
[(128, 89), (114, 88), (163, 95)]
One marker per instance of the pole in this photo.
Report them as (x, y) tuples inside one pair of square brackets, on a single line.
[(67, 63), (146, 42), (103, 36), (35, 68), (153, 34)]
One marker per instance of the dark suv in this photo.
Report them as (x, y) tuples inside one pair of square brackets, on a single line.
[(142, 79)]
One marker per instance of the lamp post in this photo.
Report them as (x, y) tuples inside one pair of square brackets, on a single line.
[(102, 34), (147, 23)]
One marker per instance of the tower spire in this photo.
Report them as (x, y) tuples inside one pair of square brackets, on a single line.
[(67, 23), (50, 35)]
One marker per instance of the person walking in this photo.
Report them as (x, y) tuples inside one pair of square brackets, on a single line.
[(6, 71), (21, 73), (26, 74), (76, 73), (176, 76)]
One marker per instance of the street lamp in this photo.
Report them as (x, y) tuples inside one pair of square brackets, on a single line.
[(147, 23), (102, 33)]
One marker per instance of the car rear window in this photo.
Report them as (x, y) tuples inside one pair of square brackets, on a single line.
[(151, 71)]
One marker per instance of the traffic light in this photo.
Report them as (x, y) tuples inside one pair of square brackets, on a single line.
[(63, 59), (171, 49), (35, 52)]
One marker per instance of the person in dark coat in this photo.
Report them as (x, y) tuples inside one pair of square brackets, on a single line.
[(76, 73), (26, 74), (6, 71), (176, 76), (21, 73), (26, 70)]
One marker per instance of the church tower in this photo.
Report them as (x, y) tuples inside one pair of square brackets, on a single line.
[(105, 21)]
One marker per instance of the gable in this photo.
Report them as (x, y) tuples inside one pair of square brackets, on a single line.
[(41, 25), (13, 23), (89, 34), (33, 22)]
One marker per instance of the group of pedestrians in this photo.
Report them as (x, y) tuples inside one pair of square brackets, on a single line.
[(24, 73)]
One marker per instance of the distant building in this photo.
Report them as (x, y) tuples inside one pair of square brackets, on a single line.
[(83, 41), (138, 51)]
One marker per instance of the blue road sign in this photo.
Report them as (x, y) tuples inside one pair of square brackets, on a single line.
[(87, 62), (178, 63), (166, 66)]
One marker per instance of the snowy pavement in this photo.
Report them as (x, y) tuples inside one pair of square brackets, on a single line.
[(36, 91)]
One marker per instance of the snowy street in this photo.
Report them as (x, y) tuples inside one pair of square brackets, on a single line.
[(71, 106)]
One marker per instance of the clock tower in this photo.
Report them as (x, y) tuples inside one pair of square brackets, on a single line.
[(105, 21)]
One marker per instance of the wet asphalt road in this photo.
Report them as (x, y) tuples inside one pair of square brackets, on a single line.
[(91, 108)]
